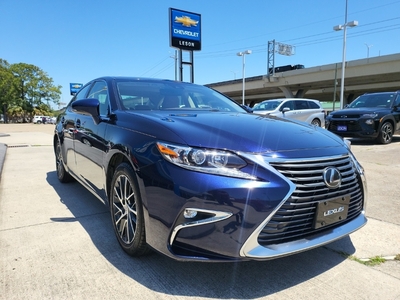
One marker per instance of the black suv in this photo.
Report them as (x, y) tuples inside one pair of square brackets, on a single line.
[(372, 115)]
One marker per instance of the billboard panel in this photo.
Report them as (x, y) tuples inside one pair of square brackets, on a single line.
[(75, 87), (185, 29)]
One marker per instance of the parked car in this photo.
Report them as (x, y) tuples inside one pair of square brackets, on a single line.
[(39, 119), (371, 116), (51, 120), (306, 110), (189, 172)]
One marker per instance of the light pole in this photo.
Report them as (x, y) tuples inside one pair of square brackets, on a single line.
[(344, 27), (243, 54)]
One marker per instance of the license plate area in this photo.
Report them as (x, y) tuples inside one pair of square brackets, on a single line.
[(342, 128), (331, 211)]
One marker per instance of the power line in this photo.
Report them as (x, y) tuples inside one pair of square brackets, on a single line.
[(260, 48)]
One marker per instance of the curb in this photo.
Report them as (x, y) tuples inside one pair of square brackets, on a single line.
[(3, 151)]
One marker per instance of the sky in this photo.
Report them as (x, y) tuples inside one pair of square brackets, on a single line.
[(75, 41)]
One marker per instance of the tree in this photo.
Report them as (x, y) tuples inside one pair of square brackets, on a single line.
[(7, 91), (33, 87), (26, 89)]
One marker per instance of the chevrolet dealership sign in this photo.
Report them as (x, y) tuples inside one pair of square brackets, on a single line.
[(185, 29), (75, 87)]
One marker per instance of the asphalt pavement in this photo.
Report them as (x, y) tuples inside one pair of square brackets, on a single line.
[(57, 242)]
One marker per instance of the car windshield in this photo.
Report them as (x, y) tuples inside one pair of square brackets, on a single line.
[(267, 105), (150, 95), (373, 100)]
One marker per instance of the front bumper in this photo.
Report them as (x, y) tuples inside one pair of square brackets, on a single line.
[(229, 221), (354, 127)]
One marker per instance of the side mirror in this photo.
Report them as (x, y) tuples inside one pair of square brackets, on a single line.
[(285, 109), (89, 107)]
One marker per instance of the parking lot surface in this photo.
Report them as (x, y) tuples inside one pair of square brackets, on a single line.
[(57, 242)]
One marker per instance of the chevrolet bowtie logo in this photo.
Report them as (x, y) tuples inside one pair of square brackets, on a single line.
[(186, 21)]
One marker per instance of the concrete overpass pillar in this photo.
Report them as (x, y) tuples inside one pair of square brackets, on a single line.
[(300, 93), (286, 91), (289, 94)]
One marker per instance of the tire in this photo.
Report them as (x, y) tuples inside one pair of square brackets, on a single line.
[(127, 211), (385, 133), (316, 122), (62, 174)]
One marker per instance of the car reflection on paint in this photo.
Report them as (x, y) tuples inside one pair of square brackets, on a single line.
[(306, 110), (188, 172)]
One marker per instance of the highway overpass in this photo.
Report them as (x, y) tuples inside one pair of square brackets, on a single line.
[(372, 74)]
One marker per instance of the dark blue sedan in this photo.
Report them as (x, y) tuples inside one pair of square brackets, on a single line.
[(190, 173)]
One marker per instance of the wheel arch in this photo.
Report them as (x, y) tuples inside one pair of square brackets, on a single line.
[(115, 160), (387, 118)]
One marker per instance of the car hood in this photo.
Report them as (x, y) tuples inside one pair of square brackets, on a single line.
[(244, 132), (359, 111)]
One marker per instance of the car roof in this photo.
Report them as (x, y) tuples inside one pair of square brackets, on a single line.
[(286, 99), (133, 78)]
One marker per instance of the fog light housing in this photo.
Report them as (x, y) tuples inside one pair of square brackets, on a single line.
[(189, 213)]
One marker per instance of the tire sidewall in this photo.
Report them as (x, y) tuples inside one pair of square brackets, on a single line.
[(138, 240), (381, 133)]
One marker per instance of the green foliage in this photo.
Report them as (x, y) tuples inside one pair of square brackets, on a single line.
[(374, 261), (25, 90)]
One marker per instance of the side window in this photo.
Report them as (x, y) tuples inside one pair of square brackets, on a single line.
[(82, 93), (288, 104), (99, 91), (397, 102), (301, 104), (313, 105)]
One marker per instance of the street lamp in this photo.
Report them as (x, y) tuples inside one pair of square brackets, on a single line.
[(344, 27), (243, 54)]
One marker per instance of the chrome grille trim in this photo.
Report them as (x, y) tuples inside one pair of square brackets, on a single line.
[(252, 248), (294, 219)]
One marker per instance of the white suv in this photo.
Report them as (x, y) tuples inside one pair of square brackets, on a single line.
[(39, 119), (306, 110)]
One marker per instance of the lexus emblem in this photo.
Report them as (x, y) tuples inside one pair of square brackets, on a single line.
[(332, 177)]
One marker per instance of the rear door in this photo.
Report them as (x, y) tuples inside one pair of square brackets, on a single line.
[(302, 111)]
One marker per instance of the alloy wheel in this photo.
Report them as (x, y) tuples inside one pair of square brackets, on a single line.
[(124, 209)]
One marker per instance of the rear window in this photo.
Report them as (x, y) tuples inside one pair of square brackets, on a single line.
[(313, 105)]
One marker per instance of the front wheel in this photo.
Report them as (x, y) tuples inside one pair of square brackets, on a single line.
[(62, 174), (385, 133), (127, 211), (316, 122)]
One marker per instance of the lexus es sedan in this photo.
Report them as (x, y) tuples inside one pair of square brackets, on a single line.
[(188, 172)]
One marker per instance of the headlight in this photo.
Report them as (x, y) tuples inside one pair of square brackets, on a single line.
[(204, 160), (347, 143), (369, 115)]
